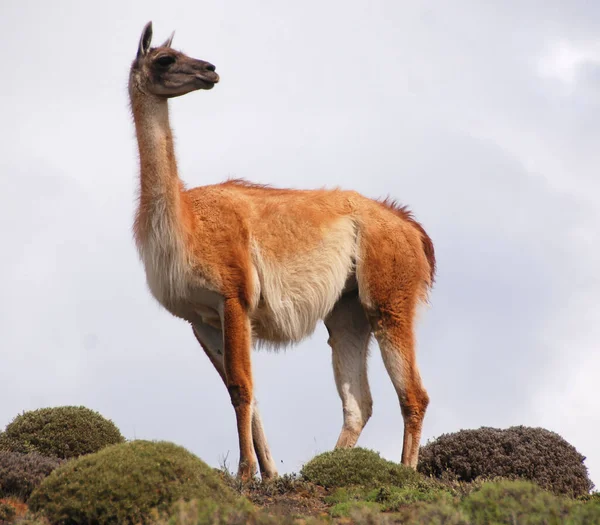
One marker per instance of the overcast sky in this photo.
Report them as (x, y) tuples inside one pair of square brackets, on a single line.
[(484, 120)]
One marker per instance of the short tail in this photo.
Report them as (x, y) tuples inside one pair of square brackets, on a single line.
[(428, 249)]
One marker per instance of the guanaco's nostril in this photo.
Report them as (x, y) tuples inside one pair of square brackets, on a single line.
[(210, 67)]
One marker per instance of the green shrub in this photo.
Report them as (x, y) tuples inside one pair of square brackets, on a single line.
[(443, 512), (210, 513), (21, 473), (520, 502), (504, 502), (195, 513), (394, 498), (521, 452), (127, 483), (62, 432), (594, 497), (7, 512), (348, 508), (388, 498), (355, 466), (584, 514)]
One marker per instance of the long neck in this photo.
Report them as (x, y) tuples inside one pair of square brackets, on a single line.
[(161, 200)]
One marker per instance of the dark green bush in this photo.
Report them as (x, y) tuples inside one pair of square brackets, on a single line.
[(520, 452), (7, 512), (356, 466), (62, 432), (127, 483), (21, 473)]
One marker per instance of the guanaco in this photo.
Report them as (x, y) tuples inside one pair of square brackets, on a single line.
[(246, 263)]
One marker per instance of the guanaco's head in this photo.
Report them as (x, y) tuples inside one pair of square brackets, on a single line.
[(166, 73)]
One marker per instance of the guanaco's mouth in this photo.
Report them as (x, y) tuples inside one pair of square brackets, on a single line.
[(207, 80)]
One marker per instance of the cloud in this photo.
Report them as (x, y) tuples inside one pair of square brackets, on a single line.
[(566, 60)]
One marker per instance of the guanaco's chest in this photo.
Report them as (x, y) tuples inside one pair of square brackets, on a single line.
[(174, 284)]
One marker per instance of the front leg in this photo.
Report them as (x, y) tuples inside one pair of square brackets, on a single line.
[(238, 372), (211, 341)]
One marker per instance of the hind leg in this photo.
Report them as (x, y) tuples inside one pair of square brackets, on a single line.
[(211, 340), (393, 275), (395, 335), (349, 334)]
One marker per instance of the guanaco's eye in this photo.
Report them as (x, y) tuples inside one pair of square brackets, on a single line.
[(165, 60)]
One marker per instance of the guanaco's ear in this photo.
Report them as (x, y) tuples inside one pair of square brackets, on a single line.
[(145, 40), (168, 41)]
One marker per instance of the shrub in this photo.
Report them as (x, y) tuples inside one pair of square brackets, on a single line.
[(195, 513), (62, 432), (127, 483), (520, 502), (528, 453), (584, 513), (7, 512), (395, 498), (439, 513), (355, 466), (348, 508), (503, 502), (21, 473), (387, 498), (594, 497)]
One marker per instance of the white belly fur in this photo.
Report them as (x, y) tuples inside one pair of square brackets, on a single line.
[(299, 291)]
